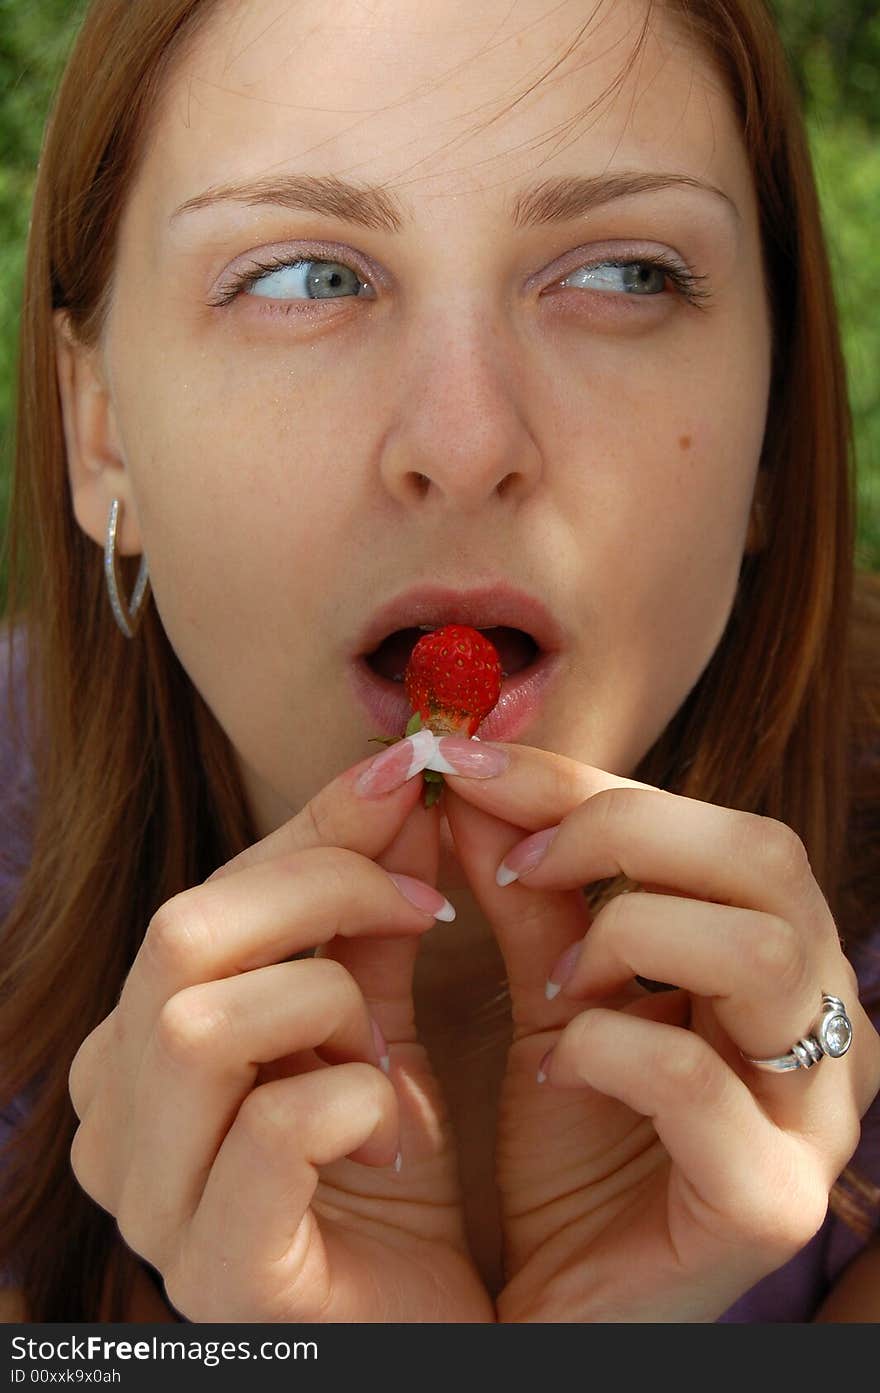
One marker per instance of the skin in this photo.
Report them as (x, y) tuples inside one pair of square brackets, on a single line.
[(594, 415), (546, 424)]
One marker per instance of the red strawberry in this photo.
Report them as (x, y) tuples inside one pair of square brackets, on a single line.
[(453, 679)]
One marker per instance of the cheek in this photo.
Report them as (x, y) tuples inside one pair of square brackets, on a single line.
[(666, 492), (687, 521), (243, 547), (694, 517), (248, 504), (238, 489), (665, 475)]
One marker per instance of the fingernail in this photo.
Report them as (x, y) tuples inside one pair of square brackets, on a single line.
[(381, 1047), (398, 763), (541, 1075), (563, 970), (525, 856), (458, 755), (424, 897)]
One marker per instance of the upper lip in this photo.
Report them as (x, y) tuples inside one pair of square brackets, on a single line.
[(482, 608)]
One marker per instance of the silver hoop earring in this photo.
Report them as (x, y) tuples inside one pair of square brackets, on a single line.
[(128, 617)]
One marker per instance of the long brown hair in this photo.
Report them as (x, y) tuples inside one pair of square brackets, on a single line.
[(137, 792)]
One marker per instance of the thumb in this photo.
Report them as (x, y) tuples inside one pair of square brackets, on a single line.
[(383, 967), (532, 927)]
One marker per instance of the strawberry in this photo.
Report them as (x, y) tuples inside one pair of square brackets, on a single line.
[(453, 680)]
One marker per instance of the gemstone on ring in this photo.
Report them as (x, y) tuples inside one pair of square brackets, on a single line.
[(835, 1034), (832, 1035)]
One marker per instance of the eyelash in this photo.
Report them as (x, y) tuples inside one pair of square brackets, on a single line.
[(688, 283), (259, 269)]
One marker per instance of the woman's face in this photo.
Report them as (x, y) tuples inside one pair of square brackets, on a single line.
[(443, 408)]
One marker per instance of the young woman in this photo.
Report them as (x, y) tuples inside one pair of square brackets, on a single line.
[(342, 323)]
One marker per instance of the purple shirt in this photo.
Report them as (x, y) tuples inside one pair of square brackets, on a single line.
[(16, 777), (791, 1294), (16, 803)]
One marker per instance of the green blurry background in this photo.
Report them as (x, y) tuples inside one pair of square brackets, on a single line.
[(835, 50)]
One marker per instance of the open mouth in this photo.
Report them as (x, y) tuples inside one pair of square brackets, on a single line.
[(516, 649)]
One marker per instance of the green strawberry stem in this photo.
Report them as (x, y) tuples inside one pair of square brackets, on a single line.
[(433, 781)]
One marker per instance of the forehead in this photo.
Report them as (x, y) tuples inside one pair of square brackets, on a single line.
[(439, 101)]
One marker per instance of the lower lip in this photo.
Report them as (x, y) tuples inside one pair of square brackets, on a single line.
[(518, 706)]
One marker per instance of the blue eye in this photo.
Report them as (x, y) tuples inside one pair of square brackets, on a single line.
[(629, 277), (287, 280), (305, 279)]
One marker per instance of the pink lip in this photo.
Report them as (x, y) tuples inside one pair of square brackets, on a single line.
[(482, 608), (518, 706)]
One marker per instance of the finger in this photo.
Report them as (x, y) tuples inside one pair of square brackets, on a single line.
[(383, 967), (607, 826), (744, 1178), (203, 1059), (757, 976), (703, 851), (252, 1237), (532, 924), (532, 927), (263, 914), (536, 789), (89, 1064), (758, 970), (341, 816), (650, 835)]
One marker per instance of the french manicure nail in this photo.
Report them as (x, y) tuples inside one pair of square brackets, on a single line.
[(563, 970), (525, 856), (424, 897), (381, 1047), (397, 764), (541, 1075), (458, 755)]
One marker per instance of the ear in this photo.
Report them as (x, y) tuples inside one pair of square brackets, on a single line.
[(95, 460)]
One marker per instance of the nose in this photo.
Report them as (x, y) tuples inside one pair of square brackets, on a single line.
[(460, 438)]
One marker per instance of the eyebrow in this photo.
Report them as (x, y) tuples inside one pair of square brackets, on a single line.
[(560, 199)]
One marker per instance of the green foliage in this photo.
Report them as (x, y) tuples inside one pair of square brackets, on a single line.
[(33, 42), (834, 49), (34, 39), (834, 46), (847, 161)]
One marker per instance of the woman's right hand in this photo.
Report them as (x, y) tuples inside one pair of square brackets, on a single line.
[(234, 1117)]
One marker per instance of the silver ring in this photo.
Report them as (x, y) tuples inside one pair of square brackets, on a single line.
[(831, 1035)]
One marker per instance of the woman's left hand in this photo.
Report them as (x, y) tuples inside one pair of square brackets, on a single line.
[(655, 1175)]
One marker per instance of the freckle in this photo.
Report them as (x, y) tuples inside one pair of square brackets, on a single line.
[(684, 441)]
